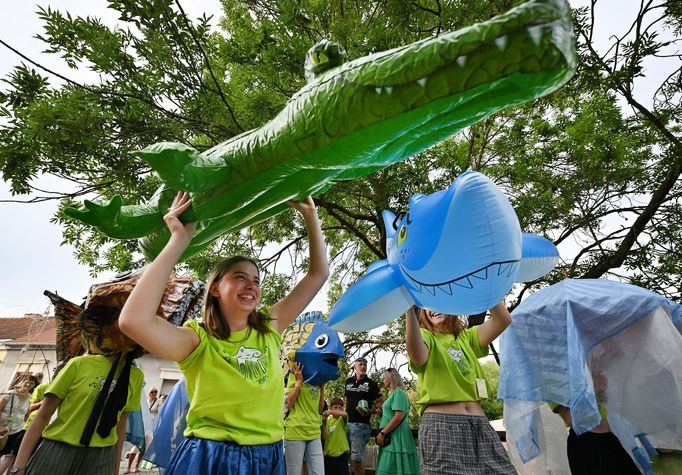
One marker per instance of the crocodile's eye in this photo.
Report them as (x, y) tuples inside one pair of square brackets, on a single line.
[(321, 341), (319, 58), (402, 235)]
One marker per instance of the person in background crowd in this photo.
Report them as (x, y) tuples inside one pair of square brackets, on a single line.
[(94, 394), (13, 410), (335, 435), (397, 452), (362, 395), (302, 434)]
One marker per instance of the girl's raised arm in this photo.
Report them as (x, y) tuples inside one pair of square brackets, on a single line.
[(499, 320), (138, 318), (417, 350), (287, 309)]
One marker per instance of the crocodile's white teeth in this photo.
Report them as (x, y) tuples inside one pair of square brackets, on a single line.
[(388, 89), (462, 60), (535, 33), (501, 42), (422, 82), (558, 32), (378, 90)]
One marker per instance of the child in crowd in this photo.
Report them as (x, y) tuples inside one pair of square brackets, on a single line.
[(335, 434)]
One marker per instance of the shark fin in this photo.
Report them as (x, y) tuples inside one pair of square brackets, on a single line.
[(389, 219), (374, 300), (538, 256)]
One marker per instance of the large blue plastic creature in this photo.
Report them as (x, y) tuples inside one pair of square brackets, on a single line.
[(455, 251), (308, 340), (584, 343)]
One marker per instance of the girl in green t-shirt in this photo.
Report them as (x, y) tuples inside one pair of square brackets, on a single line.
[(455, 437), (230, 361)]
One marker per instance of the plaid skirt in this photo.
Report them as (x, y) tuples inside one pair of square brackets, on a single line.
[(457, 444)]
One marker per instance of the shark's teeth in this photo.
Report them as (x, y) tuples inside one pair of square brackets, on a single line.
[(535, 33), (422, 82), (462, 60), (378, 90), (466, 283), (388, 89), (503, 268), (446, 288), (501, 42)]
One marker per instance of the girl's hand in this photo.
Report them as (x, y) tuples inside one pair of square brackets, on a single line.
[(181, 202), (298, 372), (304, 207)]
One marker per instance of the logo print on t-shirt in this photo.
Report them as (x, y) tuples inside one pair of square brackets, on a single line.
[(457, 356), (250, 363)]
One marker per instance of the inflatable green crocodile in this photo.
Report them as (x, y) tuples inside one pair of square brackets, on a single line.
[(351, 118)]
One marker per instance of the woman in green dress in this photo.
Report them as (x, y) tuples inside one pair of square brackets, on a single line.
[(397, 452)]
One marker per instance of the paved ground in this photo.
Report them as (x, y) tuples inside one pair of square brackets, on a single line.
[(124, 466)]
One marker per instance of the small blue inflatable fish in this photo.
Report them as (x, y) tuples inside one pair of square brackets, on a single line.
[(455, 251), (311, 342)]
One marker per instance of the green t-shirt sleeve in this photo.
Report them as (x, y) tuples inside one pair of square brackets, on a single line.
[(62, 383), (39, 393), (195, 355), (399, 401), (554, 407), (471, 334), (134, 390)]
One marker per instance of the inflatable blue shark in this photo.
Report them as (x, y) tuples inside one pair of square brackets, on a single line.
[(455, 251)]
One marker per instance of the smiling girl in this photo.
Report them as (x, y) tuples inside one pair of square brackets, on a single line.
[(231, 360), (455, 437)]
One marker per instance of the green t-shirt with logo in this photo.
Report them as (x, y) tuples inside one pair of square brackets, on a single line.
[(450, 372), (304, 420), (36, 396), (77, 386), (235, 387), (336, 443)]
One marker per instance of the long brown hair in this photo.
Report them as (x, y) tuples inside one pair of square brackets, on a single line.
[(453, 324), (214, 324)]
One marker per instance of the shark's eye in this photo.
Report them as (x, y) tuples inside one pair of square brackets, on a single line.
[(402, 235), (321, 341)]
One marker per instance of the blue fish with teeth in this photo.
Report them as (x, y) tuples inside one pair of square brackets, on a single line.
[(455, 251)]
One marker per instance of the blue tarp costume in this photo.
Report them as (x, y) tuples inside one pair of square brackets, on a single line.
[(583, 342)]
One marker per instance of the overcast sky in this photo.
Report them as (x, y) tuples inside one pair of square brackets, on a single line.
[(30, 253)]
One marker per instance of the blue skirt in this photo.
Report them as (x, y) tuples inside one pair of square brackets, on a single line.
[(210, 457)]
